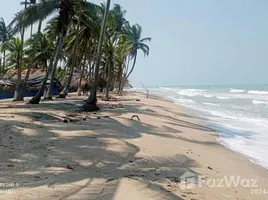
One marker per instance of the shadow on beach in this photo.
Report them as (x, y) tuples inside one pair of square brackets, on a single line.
[(87, 159)]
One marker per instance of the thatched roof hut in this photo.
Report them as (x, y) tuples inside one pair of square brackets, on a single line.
[(9, 81), (85, 84)]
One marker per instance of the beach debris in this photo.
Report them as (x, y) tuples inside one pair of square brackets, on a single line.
[(51, 185), (138, 100), (48, 166), (69, 167), (135, 116), (157, 173), (110, 179), (210, 168), (74, 120), (10, 165)]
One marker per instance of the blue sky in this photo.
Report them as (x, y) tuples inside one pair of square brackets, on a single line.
[(196, 42)]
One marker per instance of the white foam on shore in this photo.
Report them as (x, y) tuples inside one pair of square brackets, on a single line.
[(191, 92), (259, 102), (211, 104), (236, 91), (208, 96), (257, 92), (221, 97), (242, 121), (182, 100)]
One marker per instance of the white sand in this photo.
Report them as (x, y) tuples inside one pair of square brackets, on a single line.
[(114, 158)]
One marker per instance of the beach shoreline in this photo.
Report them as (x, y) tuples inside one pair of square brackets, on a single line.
[(110, 156), (197, 114)]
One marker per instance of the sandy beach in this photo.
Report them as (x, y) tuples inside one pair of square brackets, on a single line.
[(106, 155)]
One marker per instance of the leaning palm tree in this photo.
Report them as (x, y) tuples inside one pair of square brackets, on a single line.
[(86, 15), (91, 104), (133, 43), (65, 91), (66, 11)]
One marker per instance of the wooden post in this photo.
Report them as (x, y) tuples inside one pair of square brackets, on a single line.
[(147, 91)]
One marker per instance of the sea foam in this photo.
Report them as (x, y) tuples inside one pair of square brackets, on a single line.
[(257, 92), (236, 91)]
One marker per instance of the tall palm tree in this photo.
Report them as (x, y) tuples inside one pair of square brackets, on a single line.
[(4, 36), (109, 53), (117, 22), (65, 91), (86, 15), (91, 104), (18, 97), (66, 12), (34, 48), (133, 43), (32, 2)]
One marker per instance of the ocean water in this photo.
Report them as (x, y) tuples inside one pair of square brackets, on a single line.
[(238, 113)]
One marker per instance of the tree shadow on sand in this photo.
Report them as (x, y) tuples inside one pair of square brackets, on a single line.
[(91, 159), (88, 164)]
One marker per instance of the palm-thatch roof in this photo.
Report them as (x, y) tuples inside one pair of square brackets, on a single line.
[(85, 84), (36, 77)]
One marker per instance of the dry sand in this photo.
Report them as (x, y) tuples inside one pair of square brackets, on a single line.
[(115, 157)]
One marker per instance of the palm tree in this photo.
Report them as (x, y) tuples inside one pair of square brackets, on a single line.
[(85, 25), (13, 48), (109, 54), (17, 96), (78, 32), (66, 11), (5, 36), (32, 2), (91, 104), (117, 22), (133, 43), (34, 47), (65, 91)]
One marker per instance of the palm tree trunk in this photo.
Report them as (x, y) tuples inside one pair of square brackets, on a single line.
[(23, 87), (126, 78), (79, 91), (18, 97), (124, 74), (31, 34), (108, 82), (120, 78), (36, 99), (66, 88), (4, 59), (91, 104), (48, 95)]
